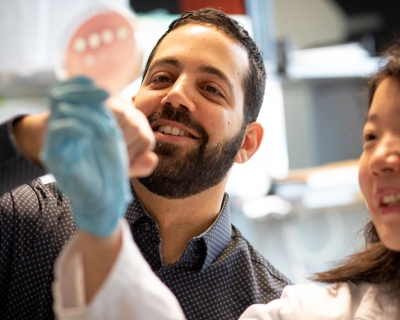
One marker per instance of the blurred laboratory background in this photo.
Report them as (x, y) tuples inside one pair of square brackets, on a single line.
[(297, 201)]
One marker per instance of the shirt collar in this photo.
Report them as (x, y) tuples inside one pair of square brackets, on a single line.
[(217, 237), (213, 240), (135, 209)]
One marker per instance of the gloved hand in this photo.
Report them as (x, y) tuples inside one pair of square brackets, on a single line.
[(85, 150)]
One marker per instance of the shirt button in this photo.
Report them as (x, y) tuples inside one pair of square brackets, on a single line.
[(147, 226)]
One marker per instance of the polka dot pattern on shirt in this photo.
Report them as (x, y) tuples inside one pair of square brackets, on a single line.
[(35, 224), (15, 170), (218, 276)]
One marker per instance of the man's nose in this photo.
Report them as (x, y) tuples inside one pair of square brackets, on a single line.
[(386, 157), (181, 94)]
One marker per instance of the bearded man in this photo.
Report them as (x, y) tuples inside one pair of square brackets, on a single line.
[(202, 90)]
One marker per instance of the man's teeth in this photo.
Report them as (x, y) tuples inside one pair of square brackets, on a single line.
[(391, 199), (173, 130)]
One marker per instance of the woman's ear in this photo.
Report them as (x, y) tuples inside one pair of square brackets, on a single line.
[(251, 142)]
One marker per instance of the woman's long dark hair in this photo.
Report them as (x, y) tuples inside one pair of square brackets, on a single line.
[(375, 264)]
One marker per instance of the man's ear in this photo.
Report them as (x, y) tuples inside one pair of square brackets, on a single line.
[(251, 142)]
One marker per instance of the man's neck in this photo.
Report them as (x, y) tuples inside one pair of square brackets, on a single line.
[(179, 220)]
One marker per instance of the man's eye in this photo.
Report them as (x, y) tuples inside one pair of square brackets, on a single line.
[(212, 90), (162, 79)]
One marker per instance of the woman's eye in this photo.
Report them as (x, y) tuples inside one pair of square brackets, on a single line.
[(369, 137)]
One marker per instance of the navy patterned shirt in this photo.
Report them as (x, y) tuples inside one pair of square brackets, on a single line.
[(219, 274), (217, 277), (15, 170)]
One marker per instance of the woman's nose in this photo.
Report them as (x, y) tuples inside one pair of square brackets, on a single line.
[(181, 94), (386, 157)]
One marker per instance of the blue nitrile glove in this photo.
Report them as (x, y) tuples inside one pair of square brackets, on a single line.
[(84, 149)]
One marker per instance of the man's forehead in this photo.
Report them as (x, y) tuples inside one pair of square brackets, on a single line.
[(199, 28), (229, 62), (204, 34)]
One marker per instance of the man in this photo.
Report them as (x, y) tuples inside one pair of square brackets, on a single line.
[(202, 91)]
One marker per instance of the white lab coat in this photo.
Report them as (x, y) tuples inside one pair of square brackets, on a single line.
[(133, 291)]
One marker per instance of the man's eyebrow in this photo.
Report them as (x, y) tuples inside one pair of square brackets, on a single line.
[(205, 68), (167, 60), (217, 72)]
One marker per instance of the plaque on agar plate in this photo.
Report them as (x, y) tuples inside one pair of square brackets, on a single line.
[(103, 46)]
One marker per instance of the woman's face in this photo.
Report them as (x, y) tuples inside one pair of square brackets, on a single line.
[(379, 167)]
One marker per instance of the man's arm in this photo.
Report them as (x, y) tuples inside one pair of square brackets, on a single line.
[(29, 132), (20, 142), (130, 290), (99, 255), (101, 270)]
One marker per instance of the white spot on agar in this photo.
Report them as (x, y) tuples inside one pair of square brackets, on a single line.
[(80, 45), (94, 40), (122, 33), (108, 36), (89, 61)]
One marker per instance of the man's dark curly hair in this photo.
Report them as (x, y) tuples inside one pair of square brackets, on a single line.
[(254, 82)]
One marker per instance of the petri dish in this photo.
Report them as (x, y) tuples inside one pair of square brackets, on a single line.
[(102, 45)]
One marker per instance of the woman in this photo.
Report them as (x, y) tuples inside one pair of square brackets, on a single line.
[(367, 285)]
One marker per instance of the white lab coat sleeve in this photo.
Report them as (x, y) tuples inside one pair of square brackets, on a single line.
[(308, 302), (130, 291)]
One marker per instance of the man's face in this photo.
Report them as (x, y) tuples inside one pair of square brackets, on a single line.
[(193, 97)]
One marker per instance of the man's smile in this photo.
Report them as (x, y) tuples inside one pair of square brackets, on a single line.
[(175, 131), (165, 127)]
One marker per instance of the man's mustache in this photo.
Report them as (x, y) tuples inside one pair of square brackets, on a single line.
[(182, 116)]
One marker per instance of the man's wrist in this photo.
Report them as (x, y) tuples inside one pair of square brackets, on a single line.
[(28, 133), (99, 255)]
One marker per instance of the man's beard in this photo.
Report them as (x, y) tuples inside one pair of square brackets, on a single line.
[(180, 176)]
